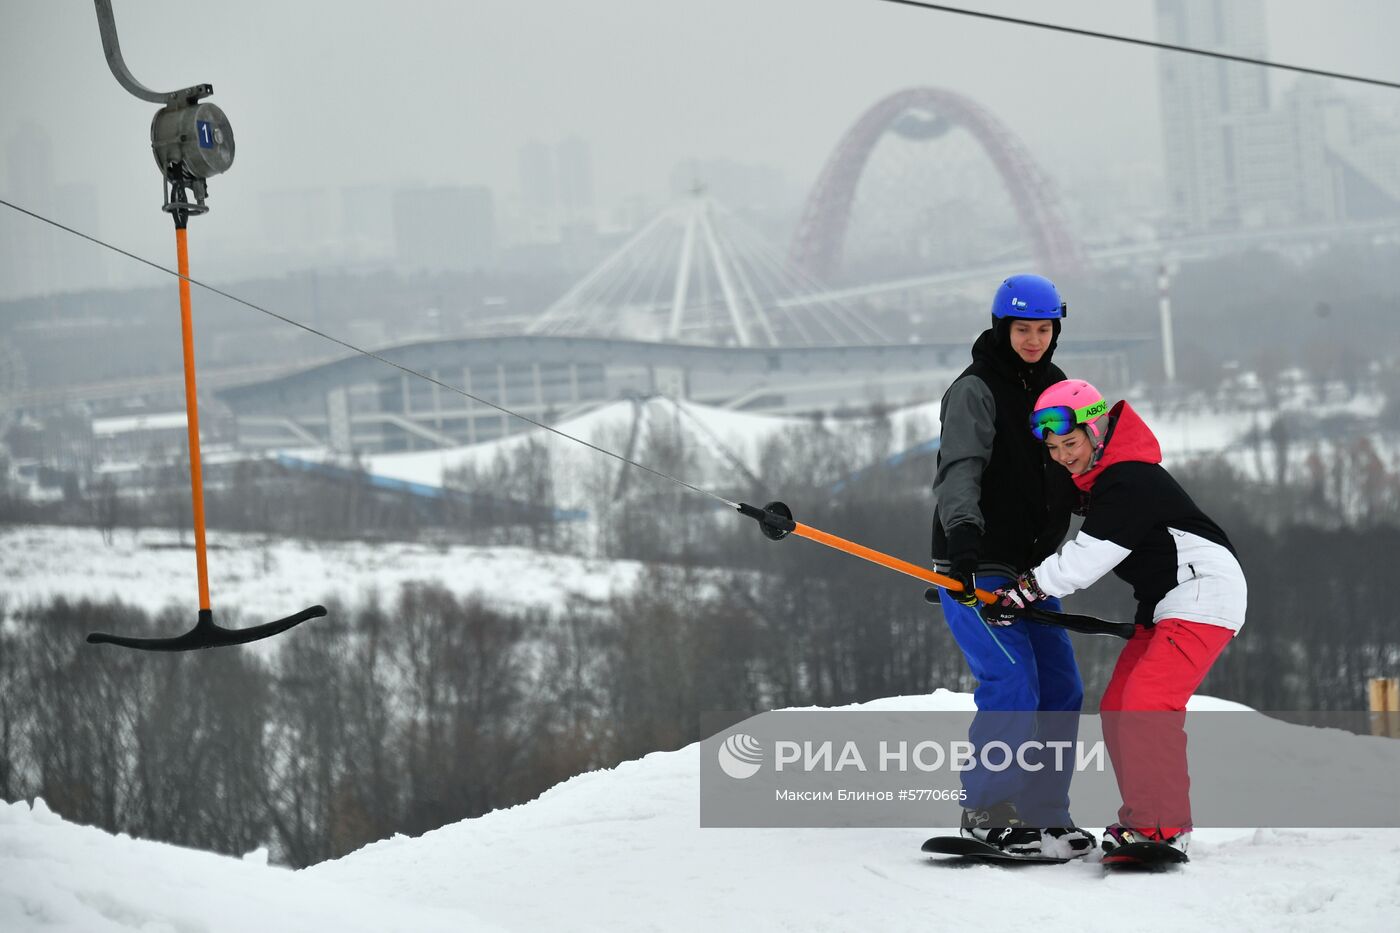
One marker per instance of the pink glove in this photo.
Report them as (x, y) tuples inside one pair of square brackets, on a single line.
[(1022, 593), (1011, 600)]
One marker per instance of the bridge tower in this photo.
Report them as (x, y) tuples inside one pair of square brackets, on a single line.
[(927, 113)]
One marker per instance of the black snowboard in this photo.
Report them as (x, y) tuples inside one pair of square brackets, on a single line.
[(972, 849), (1144, 855)]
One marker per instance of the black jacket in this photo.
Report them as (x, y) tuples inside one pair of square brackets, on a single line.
[(999, 498)]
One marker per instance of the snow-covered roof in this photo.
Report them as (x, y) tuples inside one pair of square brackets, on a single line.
[(126, 424)]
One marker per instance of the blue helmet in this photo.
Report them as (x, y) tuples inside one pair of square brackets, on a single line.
[(1029, 297)]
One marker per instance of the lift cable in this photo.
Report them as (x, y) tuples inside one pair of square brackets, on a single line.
[(369, 353), (1131, 40), (775, 519)]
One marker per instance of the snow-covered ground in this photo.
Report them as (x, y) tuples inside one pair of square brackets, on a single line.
[(269, 578), (621, 850), (266, 578), (720, 443), (723, 443), (56, 876)]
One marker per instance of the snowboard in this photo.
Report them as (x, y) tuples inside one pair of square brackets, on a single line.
[(1144, 855), (973, 849)]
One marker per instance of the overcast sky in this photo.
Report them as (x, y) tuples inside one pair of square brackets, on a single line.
[(341, 92)]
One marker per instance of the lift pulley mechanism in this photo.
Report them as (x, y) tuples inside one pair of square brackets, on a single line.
[(192, 141), (776, 522)]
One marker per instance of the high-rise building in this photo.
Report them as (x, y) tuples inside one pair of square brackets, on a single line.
[(1235, 159), (1360, 148), (1217, 124)]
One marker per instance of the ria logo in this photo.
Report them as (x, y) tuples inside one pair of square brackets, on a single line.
[(741, 756)]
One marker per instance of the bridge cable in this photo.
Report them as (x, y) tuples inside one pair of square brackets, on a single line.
[(1166, 46), (369, 353)]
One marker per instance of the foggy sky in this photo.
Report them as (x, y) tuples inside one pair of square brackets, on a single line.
[(324, 93)]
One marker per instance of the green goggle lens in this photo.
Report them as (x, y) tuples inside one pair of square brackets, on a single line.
[(1057, 420), (1061, 419)]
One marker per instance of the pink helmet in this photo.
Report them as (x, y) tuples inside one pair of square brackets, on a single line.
[(1067, 405)]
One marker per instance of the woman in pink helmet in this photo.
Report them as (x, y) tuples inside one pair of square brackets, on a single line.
[(1139, 523)]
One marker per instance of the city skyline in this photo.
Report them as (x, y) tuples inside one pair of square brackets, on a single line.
[(774, 94)]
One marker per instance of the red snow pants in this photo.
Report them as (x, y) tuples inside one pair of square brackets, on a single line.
[(1144, 717)]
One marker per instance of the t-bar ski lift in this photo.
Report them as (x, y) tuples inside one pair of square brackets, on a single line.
[(192, 142)]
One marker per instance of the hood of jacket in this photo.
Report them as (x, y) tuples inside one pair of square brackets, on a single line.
[(1129, 439), (994, 346)]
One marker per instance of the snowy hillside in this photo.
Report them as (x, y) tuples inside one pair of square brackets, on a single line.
[(58, 876), (721, 443), (621, 850), (726, 444), (269, 578), (266, 578)]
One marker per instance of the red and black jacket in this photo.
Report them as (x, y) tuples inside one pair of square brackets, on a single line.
[(1143, 526)]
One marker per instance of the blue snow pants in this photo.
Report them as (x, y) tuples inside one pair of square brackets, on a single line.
[(1038, 697)]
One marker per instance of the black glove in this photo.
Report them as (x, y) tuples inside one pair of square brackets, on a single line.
[(966, 574), (963, 544), (1001, 615)]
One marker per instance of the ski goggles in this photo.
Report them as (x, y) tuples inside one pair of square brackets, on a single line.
[(1061, 419)]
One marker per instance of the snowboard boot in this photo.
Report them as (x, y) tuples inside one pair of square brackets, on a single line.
[(1000, 827), (1119, 835), (1066, 842)]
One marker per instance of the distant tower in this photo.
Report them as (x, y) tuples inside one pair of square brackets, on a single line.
[(1226, 154)]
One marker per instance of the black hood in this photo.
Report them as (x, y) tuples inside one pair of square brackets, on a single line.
[(994, 346)]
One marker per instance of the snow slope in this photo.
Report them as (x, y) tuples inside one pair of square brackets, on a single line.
[(725, 443), (55, 876), (620, 850), (267, 578), (721, 443)]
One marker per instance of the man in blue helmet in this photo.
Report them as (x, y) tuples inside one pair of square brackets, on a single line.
[(1001, 508)]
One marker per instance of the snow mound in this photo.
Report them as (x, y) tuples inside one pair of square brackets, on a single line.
[(58, 876), (621, 850)]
